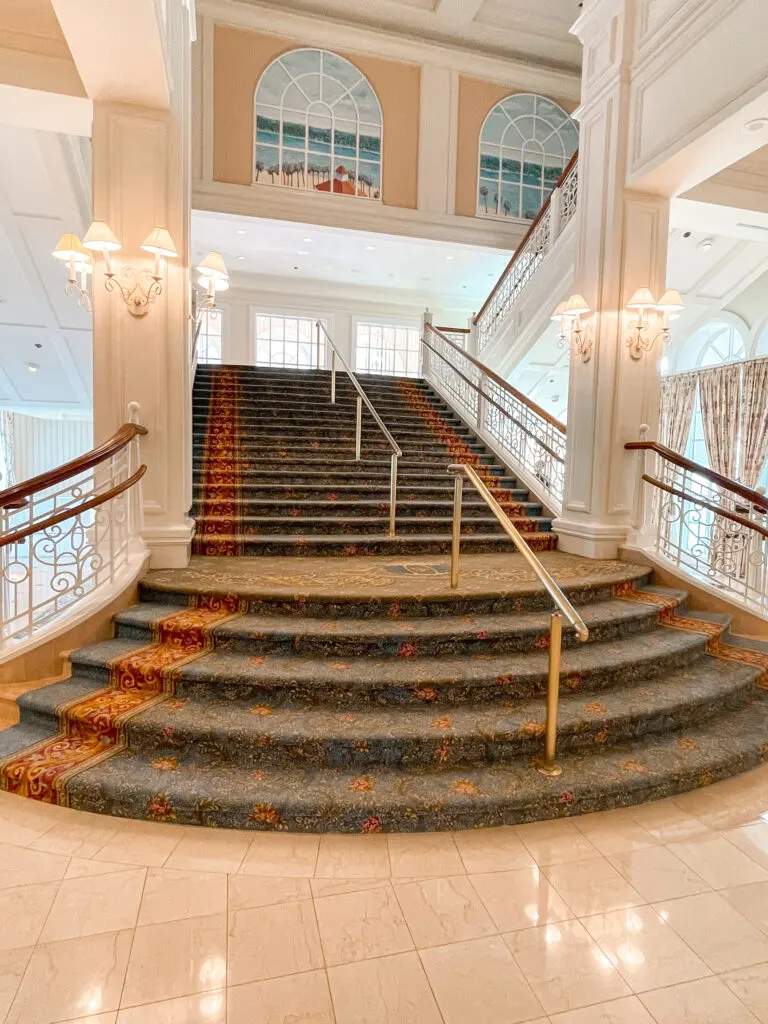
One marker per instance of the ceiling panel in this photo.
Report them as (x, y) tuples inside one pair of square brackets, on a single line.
[(49, 384)]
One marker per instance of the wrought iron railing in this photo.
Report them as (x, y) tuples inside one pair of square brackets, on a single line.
[(709, 526), (546, 228), (524, 434), (67, 533)]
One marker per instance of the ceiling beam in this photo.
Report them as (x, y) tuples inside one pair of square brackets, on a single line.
[(458, 12)]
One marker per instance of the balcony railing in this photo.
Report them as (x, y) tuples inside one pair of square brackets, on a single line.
[(546, 228), (703, 523), (68, 533), (524, 434)]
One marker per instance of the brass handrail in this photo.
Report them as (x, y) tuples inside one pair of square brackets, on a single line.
[(563, 605), (363, 398)]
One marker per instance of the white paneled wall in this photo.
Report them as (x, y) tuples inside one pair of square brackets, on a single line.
[(41, 444)]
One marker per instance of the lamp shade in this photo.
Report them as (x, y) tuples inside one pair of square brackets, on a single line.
[(577, 305), (70, 248), (100, 238), (671, 302), (160, 243), (560, 311), (213, 266), (219, 283), (642, 299)]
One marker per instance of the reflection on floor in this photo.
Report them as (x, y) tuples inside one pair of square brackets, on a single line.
[(657, 913)]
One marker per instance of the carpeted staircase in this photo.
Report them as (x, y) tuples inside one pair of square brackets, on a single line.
[(362, 694), (275, 469)]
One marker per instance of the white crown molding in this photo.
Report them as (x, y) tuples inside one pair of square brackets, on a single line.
[(334, 34), (357, 215)]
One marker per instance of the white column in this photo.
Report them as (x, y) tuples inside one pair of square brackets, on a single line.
[(438, 139), (622, 246), (141, 179)]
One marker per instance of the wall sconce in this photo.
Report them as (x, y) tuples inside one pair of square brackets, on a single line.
[(573, 329), (214, 277), (140, 287), (70, 250), (641, 337)]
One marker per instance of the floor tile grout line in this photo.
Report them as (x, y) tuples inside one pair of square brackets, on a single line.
[(133, 940), (418, 954)]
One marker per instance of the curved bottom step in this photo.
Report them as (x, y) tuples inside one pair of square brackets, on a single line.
[(199, 792)]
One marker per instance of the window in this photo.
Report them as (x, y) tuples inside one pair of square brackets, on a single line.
[(209, 337), (288, 341), (723, 345), (525, 144), (388, 349), (318, 126)]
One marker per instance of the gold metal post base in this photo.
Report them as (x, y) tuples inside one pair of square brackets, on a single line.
[(551, 771)]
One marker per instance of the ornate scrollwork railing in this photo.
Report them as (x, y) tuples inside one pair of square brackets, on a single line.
[(68, 532), (709, 526), (541, 236), (529, 439)]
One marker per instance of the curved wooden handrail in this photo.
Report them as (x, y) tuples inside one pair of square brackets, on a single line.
[(516, 254), (73, 511), (75, 467), (753, 497), (696, 499), (500, 381)]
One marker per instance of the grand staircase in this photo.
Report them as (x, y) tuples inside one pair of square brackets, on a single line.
[(289, 483), (363, 694)]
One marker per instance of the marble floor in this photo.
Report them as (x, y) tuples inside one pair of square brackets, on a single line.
[(652, 915)]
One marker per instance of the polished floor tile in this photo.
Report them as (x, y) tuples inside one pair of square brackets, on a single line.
[(353, 857), (492, 849), (23, 912), (592, 887), (290, 856), (73, 978), (556, 842), (750, 985), (414, 856), (142, 843), (719, 934), (751, 901), (520, 899), (267, 942), (479, 981), (13, 963), (618, 1011), (171, 895), (752, 840), (361, 925), (565, 967), (387, 990), (658, 874), (178, 958), (440, 910), (19, 866), (82, 837), (719, 862), (87, 906), (246, 891), (707, 1001), (224, 850), (300, 998), (204, 1008), (644, 948)]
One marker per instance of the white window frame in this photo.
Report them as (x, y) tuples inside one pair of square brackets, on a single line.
[(202, 338), (384, 320), (289, 312)]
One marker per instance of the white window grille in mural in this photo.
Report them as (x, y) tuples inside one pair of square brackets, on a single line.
[(209, 338), (318, 126), (283, 340), (525, 145), (388, 349)]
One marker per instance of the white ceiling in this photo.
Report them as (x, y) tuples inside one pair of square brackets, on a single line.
[(518, 29), (44, 191), (259, 252)]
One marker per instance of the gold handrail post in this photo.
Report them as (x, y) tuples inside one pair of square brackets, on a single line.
[(458, 487), (392, 493), (548, 766), (333, 376), (317, 347), (359, 429)]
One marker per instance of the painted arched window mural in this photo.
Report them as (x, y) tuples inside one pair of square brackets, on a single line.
[(525, 144), (318, 126)]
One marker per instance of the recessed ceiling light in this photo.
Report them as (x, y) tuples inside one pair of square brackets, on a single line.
[(241, 231), (33, 367), (757, 124), (705, 245), (239, 257), (370, 248), (450, 257), (303, 252), (307, 239)]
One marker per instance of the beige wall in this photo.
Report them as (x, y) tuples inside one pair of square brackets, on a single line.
[(240, 57), (33, 51), (476, 99)]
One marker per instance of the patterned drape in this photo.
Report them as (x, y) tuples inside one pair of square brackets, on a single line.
[(754, 420), (7, 475), (678, 394), (719, 401)]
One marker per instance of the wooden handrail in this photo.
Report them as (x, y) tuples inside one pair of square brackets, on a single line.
[(73, 511), (75, 467), (500, 381), (753, 497), (454, 330), (698, 500), (526, 236)]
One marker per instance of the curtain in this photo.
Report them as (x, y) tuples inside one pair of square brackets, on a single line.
[(678, 394), (719, 400), (7, 475), (754, 420)]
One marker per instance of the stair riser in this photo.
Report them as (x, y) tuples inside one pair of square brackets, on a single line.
[(257, 497), (296, 449), (405, 509), (299, 526), (403, 545), (291, 470), (270, 429)]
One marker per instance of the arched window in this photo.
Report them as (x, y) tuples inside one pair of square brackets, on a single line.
[(318, 126), (717, 343), (525, 144)]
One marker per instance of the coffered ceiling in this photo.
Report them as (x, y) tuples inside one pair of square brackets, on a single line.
[(520, 29)]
